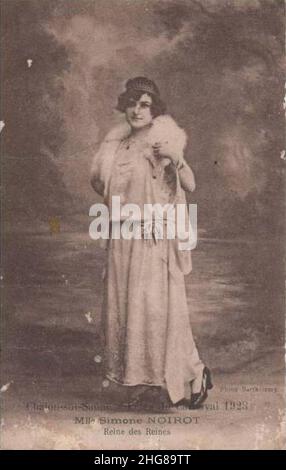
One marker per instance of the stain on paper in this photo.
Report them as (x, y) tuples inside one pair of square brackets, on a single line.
[(88, 317), (5, 387), (54, 225)]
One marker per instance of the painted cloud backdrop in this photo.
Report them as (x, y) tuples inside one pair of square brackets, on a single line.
[(219, 65)]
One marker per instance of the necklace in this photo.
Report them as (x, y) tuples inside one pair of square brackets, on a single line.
[(137, 137)]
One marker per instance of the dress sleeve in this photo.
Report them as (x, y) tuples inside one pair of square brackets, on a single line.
[(186, 176), (96, 179)]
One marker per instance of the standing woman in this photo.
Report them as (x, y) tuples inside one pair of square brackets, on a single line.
[(147, 331)]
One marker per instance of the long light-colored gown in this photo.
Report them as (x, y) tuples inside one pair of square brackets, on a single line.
[(148, 335)]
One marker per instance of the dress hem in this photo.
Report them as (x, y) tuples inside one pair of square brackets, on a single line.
[(112, 379)]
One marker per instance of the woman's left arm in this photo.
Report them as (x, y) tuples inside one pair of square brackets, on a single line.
[(186, 175)]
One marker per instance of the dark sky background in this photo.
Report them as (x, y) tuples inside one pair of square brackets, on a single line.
[(220, 68)]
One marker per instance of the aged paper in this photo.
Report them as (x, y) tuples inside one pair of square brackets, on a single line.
[(68, 378)]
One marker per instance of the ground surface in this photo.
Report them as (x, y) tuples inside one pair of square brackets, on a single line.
[(51, 300)]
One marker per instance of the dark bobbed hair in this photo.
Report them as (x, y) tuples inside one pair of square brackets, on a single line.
[(158, 107)]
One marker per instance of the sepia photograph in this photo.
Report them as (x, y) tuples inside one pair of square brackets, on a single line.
[(142, 225)]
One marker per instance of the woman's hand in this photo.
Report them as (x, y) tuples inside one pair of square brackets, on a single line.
[(164, 150)]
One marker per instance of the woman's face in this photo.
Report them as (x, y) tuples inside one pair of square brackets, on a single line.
[(138, 112)]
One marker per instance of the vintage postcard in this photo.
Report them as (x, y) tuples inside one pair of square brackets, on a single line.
[(143, 224)]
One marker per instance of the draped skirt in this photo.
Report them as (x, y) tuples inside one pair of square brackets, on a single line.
[(147, 332)]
